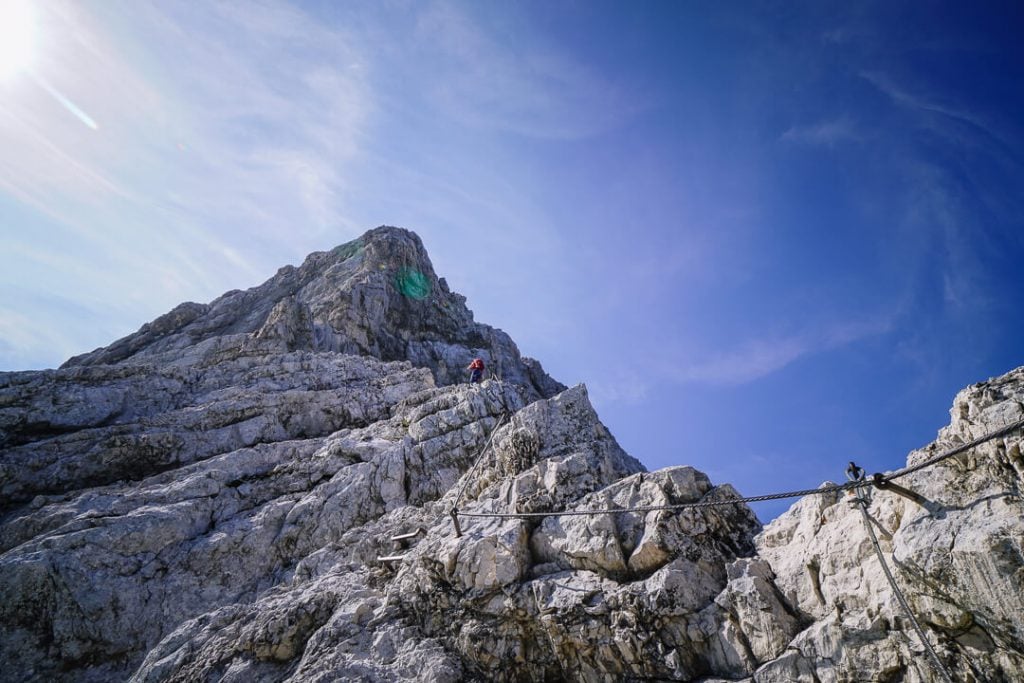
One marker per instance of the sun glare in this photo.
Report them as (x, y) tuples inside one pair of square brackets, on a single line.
[(16, 36)]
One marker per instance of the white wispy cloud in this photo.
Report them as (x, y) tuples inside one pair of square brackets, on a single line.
[(219, 151), (760, 356), (533, 90), (620, 385), (252, 131), (948, 240), (30, 339), (924, 102), (822, 133), (233, 137)]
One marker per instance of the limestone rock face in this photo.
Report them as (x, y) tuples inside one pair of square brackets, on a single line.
[(958, 555), (376, 296), (260, 489), (69, 428)]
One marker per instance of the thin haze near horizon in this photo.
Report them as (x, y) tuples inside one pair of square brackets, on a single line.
[(770, 237)]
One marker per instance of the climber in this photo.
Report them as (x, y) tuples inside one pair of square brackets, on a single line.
[(476, 369)]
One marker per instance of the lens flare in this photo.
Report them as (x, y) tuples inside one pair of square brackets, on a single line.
[(412, 283), (65, 102), (17, 36)]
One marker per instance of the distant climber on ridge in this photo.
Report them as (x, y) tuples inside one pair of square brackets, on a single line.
[(476, 370)]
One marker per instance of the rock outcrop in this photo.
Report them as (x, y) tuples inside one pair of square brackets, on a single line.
[(375, 296), (958, 555), (259, 489)]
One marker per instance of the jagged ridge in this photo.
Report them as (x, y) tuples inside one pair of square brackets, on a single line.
[(208, 499), (377, 295)]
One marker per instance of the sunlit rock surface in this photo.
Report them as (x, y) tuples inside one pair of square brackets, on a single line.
[(215, 497), (959, 558), (377, 296)]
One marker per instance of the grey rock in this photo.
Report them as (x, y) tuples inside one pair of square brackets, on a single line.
[(261, 488), (86, 426), (377, 295), (958, 556)]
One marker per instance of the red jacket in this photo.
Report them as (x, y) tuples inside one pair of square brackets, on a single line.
[(477, 364)]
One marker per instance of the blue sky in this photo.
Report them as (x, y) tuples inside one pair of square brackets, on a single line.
[(771, 237)]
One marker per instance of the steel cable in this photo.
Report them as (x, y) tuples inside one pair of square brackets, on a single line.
[(878, 480), (479, 459), (863, 505), (956, 451)]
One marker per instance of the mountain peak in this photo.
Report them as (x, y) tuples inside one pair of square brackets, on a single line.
[(377, 295), (290, 483)]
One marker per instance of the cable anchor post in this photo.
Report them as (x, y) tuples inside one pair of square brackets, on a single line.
[(856, 474), (880, 482), (454, 512)]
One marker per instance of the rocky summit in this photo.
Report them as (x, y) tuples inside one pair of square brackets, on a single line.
[(261, 489)]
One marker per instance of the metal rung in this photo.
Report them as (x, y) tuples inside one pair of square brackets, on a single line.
[(391, 558), (411, 534)]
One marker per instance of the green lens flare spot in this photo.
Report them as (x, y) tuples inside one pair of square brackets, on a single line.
[(412, 283), (349, 249)]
